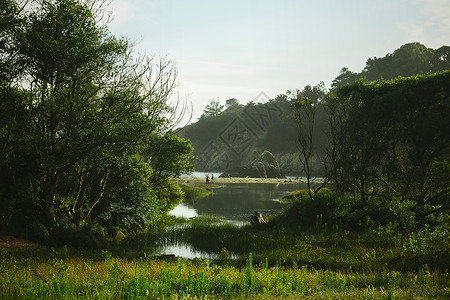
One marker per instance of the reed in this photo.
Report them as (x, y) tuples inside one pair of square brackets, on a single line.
[(279, 259), (43, 275), (194, 192)]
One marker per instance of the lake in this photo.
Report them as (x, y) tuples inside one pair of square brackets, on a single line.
[(234, 203)]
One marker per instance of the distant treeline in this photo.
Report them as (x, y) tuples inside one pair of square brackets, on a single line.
[(233, 134)]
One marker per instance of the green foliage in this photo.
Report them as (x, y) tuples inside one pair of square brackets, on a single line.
[(232, 103), (130, 201), (279, 137), (212, 109), (325, 207), (331, 266), (408, 60), (170, 156), (393, 136), (427, 241), (168, 192), (192, 192), (80, 119)]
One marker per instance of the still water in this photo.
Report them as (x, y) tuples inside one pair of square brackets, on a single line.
[(234, 203)]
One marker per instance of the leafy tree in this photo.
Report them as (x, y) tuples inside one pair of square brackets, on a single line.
[(9, 20), (308, 103), (441, 59), (304, 113), (345, 76), (169, 146), (408, 60), (212, 109), (231, 103), (79, 110), (392, 136)]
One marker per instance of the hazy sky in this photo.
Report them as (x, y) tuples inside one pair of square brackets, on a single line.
[(238, 49)]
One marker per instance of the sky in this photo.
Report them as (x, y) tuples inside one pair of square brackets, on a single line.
[(249, 49)]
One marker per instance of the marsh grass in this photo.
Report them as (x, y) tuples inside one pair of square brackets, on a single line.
[(275, 260), (102, 275), (194, 192)]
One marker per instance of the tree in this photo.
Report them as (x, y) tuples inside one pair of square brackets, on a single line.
[(212, 109), (345, 76), (305, 107), (408, 60), (169, 156), (9, 20), (304, 113), (231, 103), (392, 136), (84, 105)]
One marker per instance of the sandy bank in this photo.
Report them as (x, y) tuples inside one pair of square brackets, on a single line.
[(221, 181)]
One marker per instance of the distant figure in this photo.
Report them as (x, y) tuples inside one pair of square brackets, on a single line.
[(207, 178), (212, 178)]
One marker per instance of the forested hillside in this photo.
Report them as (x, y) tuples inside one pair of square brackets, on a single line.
[(235, 134)]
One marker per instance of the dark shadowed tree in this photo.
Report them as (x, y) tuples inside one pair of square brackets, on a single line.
[(345, 76), (306, 105), (394, 136)]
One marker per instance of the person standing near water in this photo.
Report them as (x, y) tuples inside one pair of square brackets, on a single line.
[(207, 178), (212, 178)]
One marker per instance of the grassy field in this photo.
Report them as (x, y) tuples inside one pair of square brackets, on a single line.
[(318, 264), (102, 275), (280, 259)]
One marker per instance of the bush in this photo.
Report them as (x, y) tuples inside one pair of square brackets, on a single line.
[(328, 207), (326, 204)]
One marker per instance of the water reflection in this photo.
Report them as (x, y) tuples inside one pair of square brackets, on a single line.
[(234, 203), (182, 210), (184, 251)]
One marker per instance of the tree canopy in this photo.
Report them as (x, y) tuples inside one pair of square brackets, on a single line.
[(212, 109), (78, 110), (408, 60)]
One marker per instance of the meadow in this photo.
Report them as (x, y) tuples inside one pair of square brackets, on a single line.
[(334, 255), (320, 263)]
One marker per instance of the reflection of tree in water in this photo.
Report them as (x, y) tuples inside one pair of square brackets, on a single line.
[(239, 201)]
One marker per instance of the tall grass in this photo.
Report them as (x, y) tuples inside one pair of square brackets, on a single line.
[(192, 192), (105, 276), (284, 258)]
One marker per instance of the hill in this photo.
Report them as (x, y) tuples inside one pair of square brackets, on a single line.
[(236, 136)]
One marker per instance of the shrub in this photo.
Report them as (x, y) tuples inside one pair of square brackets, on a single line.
[(326, 204)]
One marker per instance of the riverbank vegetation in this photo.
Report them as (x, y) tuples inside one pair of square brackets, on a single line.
[(194, 192)]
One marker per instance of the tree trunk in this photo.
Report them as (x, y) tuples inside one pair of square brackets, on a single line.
[(51, 182)]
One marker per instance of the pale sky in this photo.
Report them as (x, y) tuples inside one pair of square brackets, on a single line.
[(238, 49)]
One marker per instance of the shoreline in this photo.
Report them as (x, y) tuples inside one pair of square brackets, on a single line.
[(218, 182)]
